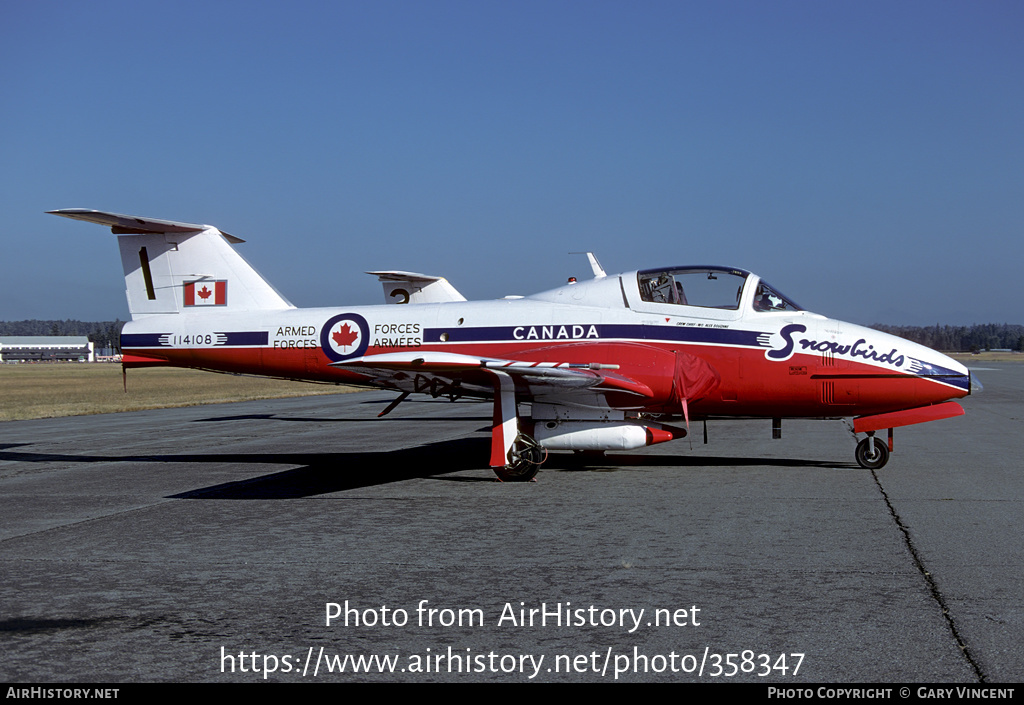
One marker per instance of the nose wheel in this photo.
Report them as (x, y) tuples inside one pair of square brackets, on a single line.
[(872, 453)]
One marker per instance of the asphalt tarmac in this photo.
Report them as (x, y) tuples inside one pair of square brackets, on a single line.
[(211, 543)]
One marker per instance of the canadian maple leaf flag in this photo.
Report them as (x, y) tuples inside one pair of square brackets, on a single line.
[(206, 293)]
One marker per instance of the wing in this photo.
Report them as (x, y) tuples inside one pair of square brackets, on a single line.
[(454, 374), (554, 379)]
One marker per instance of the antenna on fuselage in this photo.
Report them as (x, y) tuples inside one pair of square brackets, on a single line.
[(599, 272)]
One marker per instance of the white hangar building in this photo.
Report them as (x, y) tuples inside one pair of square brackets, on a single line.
[(49, 348)]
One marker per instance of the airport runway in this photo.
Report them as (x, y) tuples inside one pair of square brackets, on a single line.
[(203, 544)]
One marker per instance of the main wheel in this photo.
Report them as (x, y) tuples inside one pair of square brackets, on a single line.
[(525, 459), (872, 460)]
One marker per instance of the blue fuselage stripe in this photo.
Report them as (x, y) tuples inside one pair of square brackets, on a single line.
[(589, 331)]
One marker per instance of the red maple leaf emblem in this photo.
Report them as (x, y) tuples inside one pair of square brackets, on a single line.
[(204, 293), (345, 336)]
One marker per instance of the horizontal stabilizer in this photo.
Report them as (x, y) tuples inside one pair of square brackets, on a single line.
[(133, 225)]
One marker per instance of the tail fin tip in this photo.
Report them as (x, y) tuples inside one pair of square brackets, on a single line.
[(164, 260)]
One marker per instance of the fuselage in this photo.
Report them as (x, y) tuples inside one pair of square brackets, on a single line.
[(768, 357)]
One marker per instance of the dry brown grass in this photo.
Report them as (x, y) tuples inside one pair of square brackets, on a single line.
[(36, 391)]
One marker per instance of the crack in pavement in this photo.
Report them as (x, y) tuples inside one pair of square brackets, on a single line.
[(932, 587)]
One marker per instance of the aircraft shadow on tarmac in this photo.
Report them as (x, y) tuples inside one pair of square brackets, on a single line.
[(417, 404), (336, 472), (325, 473), (303, 419), (339, 472)]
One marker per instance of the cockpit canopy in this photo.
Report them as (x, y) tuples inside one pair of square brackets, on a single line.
[(768, 299), (709, 287)]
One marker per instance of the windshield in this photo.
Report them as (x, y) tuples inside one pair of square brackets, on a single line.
[(707, 287), (768, 299)]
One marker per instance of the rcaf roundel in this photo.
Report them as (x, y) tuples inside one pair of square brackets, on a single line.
[(344, 336)]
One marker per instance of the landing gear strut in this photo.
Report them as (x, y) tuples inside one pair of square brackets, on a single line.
[(515, 456), (872, 453), (524, 459)]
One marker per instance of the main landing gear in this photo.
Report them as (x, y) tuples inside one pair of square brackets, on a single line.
[(525, 457), (872, 453), (515, 456)]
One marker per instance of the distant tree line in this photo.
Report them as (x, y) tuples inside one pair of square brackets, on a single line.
[(103, 334), (985, 336)]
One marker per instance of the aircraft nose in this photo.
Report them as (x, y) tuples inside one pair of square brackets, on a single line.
[(944, 369), (976, 385)]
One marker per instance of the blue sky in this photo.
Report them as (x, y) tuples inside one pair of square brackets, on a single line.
[(866, 158)]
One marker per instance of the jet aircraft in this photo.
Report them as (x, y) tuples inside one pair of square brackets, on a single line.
[(616, 362)]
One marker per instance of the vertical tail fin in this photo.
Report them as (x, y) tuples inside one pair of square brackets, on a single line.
[(172, 267)]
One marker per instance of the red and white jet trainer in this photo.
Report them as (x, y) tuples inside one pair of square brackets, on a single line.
[(613, 363)]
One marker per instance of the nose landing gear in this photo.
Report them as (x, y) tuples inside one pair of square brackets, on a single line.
[(872, 453)]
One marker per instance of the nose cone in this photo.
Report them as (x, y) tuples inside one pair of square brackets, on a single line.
[(891, 360), (941, 369)]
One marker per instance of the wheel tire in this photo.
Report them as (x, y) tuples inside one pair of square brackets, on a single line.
[(870, 461), (520, 472), (529, 457)]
